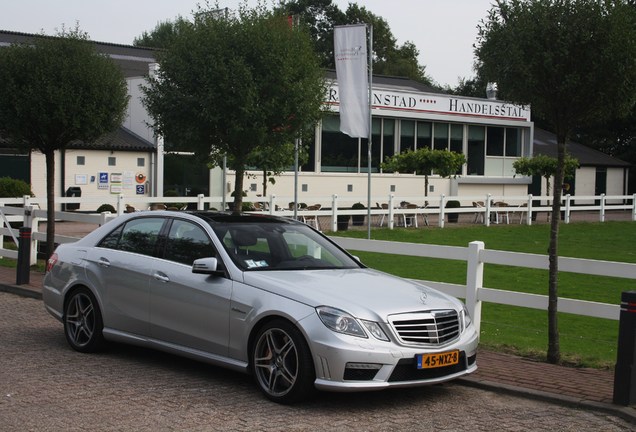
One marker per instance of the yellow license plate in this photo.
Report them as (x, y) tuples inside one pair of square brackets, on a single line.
[(429, 361)]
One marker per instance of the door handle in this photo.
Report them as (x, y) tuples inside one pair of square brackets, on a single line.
[(161, 277), (103, 262)]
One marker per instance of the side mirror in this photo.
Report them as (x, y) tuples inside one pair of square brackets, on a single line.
[(206, 266)]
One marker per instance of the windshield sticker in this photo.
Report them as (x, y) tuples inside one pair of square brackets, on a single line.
[(255, 264)]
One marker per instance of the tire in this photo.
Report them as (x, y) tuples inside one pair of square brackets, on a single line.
[(83, 323), (281, 363)]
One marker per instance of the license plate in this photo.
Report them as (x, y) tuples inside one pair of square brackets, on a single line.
[(429, 361)]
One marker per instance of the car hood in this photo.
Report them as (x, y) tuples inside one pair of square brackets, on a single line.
[(364, 293)]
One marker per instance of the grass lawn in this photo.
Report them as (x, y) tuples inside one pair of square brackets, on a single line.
[(584, 341)]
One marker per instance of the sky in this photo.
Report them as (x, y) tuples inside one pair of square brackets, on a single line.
[(443, 31)]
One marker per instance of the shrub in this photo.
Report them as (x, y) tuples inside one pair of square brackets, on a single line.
[(13, 188), (106, 208)]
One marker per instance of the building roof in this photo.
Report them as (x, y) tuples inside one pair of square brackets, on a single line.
[(133, 61), (393, 82), (545, 143), (121, 140)]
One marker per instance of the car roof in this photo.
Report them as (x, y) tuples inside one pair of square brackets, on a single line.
[(215, 217)]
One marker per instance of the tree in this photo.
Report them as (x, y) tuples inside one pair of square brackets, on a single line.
[(234, 84), (425, 161), (575, 62), (388, 58), (544, 166), (56, 90), (162, 35)]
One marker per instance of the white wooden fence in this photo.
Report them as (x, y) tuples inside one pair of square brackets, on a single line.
[(475, 255)]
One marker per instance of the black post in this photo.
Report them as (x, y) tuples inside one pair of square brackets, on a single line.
[(624, 374), (24, 256)]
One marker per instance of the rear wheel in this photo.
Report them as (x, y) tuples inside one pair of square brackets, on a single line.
[(281, 363), (83, 322)]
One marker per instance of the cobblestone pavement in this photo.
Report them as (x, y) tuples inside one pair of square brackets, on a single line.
[(46, 386)]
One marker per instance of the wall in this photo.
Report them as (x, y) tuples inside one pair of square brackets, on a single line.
[(87, 176)]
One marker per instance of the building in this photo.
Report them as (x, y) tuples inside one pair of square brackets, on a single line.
[(492, 134)]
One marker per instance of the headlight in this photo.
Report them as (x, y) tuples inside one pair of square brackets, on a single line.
[(340, 321), (375, 329), (466, 317)]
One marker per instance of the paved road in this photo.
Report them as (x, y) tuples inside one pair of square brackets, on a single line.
[(46, 386)]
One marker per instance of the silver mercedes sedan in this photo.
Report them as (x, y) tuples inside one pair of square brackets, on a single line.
[(259, 294)]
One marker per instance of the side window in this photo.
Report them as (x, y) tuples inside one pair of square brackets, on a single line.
[(138, 236), (187, 242)]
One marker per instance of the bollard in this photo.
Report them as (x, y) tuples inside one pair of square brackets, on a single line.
[(23, 271), (624, 374)]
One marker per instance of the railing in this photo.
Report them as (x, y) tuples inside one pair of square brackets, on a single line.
[(334, 205)]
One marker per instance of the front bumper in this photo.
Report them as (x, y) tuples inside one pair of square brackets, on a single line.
[(346, 363)]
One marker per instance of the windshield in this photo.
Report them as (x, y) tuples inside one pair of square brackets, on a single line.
[(279, 246)]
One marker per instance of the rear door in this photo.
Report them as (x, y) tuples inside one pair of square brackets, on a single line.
[(120, 267)]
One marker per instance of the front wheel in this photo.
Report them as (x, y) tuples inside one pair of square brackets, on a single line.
[(281, 363), (83, 322)]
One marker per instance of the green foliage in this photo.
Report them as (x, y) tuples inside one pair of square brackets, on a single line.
[(425, 161), (573, 60), (59, 89), (162, 35), (544, 166), (320, 17), (56, 90), (13, 188), (106, 208), (453, 204), (234, 84), (358, 206)]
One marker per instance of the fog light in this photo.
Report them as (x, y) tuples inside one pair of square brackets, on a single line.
[(374, 366)]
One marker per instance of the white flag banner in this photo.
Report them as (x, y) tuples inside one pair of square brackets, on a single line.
[(350, 52)]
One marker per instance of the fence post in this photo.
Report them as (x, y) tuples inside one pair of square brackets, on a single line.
[(442, 203), (529, 215), (24, 252), (634, 207), (120, 204), (567, 209), (602, 215), (624, 374), (474, 282), (272, 205), (200, 203), (488, 204), (29, 219), (390, 222), (334, 213)]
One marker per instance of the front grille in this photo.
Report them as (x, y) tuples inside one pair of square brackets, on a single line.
[(427, 328)]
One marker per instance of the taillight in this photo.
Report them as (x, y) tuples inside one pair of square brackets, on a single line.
[(51, 262)]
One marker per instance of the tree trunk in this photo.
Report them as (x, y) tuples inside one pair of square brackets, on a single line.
[(50, 202), (238, 189), (554, 352)]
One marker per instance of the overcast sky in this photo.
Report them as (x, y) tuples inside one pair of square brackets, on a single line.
[(444, 31)]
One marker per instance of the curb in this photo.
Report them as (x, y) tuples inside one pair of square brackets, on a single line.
[(626, 413), (23, 292)]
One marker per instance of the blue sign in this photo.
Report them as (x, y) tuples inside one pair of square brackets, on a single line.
[(103, 177), (141, 189)]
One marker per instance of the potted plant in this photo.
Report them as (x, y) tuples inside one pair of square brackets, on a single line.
[(453, 217), (358, 220)]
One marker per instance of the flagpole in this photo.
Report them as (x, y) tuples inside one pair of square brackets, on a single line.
[(370, 131)]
